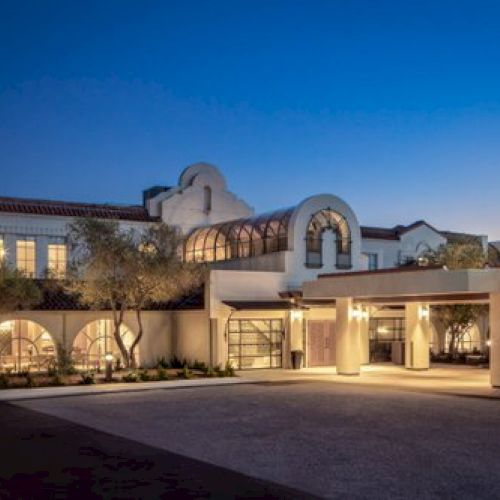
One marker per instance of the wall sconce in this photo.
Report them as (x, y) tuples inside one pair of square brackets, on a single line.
[(296, 314), (356, 313), (424, 312), (364, 312), (488, 343)]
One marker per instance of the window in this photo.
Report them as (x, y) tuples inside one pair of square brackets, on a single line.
[(328, 220), (25, 256), (207, 199), (239, 239), (372, 261), (57, 258)]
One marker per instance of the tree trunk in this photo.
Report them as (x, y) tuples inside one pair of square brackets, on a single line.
[(452, 344), (137, 339), (118, 320)]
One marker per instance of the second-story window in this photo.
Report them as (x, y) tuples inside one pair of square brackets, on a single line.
[(57, 259), (26, 256), (207, 199), (372, 261)]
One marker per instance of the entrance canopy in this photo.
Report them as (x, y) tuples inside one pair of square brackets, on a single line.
[(407, 285)]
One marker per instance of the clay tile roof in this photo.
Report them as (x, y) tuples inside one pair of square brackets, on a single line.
[(73, 209)]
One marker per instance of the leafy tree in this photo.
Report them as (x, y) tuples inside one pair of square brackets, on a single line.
[(99, 269), (466, 254), (157, 273), (130, 270), (16, 290), (458, 319)]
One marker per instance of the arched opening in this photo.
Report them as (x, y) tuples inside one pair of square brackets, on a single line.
[(328, 220), (25, 345), (96, 340), (207, 199)]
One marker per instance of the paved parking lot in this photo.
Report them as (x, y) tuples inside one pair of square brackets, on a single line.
[(314, 437)]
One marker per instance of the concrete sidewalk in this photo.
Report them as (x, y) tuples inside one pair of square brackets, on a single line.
[(439, 379), (79, 390)]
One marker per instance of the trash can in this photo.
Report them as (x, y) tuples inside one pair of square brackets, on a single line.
[(297, 359)]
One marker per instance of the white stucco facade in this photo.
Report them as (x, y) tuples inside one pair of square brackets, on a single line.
[(254, 304)]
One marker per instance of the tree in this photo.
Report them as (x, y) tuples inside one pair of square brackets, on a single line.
[(465, 254), (458, 319), (129, 270), (101, 253), (157, 273), (16, 290)]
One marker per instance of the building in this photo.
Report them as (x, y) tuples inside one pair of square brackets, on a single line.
[(261, 300)]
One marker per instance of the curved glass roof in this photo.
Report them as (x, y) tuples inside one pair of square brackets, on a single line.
[(240, 238)]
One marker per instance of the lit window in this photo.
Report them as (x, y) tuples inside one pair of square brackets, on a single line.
[(372, 261), (57, 260), (25, 256)]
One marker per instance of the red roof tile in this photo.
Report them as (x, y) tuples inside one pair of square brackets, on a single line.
[(73, 209)]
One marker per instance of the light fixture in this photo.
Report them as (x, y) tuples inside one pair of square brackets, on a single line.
[(109, 367), (364, 312), (296, 314), (356, 313), (488, 342), (424, 312)]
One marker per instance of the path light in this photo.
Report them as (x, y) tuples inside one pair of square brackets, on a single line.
[(109, 367)]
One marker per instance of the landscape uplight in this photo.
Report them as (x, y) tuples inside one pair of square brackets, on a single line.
[(109, 367)]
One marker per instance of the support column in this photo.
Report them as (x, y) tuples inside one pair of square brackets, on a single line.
[(296, 335), (495, 339), (418, 334), (364, 337), (347, 338)]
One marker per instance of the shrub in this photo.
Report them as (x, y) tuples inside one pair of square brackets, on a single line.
[(185, 373), (163, 363), (30, 381), (211, 372), (4, 381), (228, 370), (175, 362), (199, 365), (87, 378), (57, 380), (130, 377), (64, 364), (144, 375), (161, 373)]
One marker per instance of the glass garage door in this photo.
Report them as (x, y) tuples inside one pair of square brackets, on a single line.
[(255, 343)]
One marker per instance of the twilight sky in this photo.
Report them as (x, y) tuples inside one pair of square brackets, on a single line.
[(394, 106)]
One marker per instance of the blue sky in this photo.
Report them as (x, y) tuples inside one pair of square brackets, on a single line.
[(394, 106)]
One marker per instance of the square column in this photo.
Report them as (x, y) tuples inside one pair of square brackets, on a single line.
[(418, 334), (364, 336), (495, 339), (347, 338)]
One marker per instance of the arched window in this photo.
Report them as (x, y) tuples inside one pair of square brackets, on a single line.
[(96, 340), (239, 239), (207, 199), (328, 220), (25, 345)]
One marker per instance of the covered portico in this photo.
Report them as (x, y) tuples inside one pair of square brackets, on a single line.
[(417, 289)]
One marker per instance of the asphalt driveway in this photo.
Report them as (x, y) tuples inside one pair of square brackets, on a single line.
[(316, 438)]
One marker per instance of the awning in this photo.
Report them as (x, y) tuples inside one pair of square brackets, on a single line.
[(407, 285)]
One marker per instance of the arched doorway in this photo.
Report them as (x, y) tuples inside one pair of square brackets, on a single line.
[(96, 340), (25, 345)]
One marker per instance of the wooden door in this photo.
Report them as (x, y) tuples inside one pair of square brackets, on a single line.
[(321, 343)]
